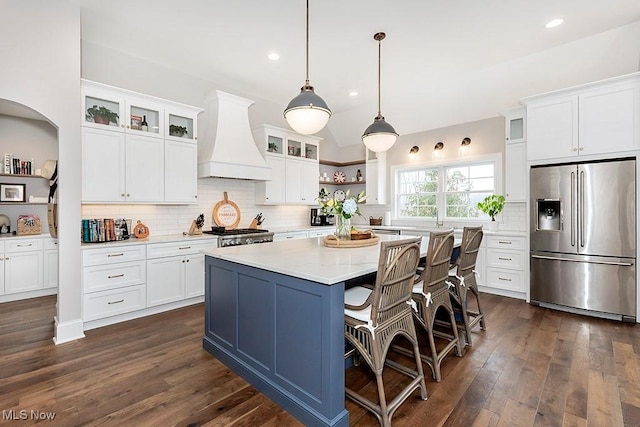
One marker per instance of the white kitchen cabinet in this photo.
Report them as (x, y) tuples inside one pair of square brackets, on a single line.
[(376, 173), (321, 233), (272, 192), (175, 271), (515, 125), (180, 177), (2, 261), (121, 162), (113, 280), (594, 119), (50, 263), (23, 265), (295, 168), (515, 172), (301, 178), (506, 259), (290, 235)]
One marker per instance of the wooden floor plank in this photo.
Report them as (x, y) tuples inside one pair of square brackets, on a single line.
[(532, 366)]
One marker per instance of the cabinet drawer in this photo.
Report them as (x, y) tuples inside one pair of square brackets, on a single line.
[(290, 235), (110, 303), (23, 245), (509, 242), (161, 250), (505, 259), (112, 276), (319, 233), (50, 244), (505, 279), (112, 255)]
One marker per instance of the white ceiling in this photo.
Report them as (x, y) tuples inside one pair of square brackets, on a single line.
[(443, 62)]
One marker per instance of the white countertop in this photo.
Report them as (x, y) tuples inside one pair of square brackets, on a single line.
[(402, 228), (309, 259)]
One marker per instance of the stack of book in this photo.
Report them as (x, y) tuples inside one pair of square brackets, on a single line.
[(15, 166), (105, 230)]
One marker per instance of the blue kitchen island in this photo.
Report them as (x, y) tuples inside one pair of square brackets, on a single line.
[(274, 314)]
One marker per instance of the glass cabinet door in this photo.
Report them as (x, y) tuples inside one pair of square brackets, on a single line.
[(102, 110), (275, 144), (180, 127), (144, 118), (311, 151), (294, 148)]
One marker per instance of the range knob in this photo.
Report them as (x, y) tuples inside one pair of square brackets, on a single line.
[(250, 241)]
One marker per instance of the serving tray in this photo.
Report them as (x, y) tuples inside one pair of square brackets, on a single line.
[(332, 241)]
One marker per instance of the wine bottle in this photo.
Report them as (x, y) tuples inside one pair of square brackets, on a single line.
[(143, 125)]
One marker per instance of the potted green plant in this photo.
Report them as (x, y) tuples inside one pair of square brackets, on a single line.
[(492, 205), (175, 130), (101, 115)]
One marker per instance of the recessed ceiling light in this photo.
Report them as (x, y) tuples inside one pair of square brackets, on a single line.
[(353, 93), (273, 56), (554, 23)]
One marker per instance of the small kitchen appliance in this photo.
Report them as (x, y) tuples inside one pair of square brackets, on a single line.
[(319, 219)]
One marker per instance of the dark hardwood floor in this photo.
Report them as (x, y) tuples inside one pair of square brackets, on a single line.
[(531, 367)]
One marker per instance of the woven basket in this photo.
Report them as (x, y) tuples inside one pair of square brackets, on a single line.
[(375, 221), (28, 225)]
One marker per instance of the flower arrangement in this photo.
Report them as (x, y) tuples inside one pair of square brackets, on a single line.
[(345, 207)]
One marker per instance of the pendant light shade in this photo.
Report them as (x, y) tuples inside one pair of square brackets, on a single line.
[(307, 113), (380, 135)]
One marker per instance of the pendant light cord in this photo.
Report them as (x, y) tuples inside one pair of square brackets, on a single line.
[(307, 49), (379, 53)]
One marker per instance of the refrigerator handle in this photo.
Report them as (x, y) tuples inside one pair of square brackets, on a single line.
[(581, 209), (553, 258), (573, 207)]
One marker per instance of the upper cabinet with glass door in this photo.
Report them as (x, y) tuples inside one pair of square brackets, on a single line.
[(303, 147), (181, 123), (106, 107), (515, 125)]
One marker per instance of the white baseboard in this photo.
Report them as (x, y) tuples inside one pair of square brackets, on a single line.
[(67, 331)]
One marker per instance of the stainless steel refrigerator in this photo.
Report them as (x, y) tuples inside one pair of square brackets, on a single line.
[(583, 237)]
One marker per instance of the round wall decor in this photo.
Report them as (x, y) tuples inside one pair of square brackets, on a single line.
[(339, 177)]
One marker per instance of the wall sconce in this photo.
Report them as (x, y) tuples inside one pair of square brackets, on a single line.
[(413, 152), (464, 145), (437, 149)]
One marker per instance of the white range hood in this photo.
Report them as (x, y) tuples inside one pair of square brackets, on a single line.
[(226, 148)]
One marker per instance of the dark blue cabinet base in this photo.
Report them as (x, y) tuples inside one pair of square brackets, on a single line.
[(283, 335)]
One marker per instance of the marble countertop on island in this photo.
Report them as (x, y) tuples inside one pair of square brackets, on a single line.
[(309, 259)]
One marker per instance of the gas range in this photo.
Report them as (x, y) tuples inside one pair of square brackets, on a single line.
[(240, 236)]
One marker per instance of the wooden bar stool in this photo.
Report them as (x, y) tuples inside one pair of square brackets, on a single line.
[(374, 317)]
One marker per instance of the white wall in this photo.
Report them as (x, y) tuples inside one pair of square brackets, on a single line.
[(487, 137), (40, 53)]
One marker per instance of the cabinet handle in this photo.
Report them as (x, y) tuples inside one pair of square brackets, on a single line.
[(502, 242), (7, 258), (20, 246), (185, 247), (116, 275), (504, 259), (110, 255), (115, 302), (506, 280)]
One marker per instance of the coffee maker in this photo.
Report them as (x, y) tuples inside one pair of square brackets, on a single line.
[(319, 218)]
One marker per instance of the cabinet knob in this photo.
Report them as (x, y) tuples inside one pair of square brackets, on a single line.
[(128, 195), (581, 148), (121, 194), (121, 126), (507, 138), (575, 149)]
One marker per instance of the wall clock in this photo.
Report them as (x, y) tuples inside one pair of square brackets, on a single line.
[(339, 177), (339, 195)]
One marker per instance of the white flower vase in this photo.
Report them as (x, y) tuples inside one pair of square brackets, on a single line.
[(343, 228), (493, 226)]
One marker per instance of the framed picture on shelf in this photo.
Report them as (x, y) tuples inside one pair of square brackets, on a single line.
[(12, 193), (136, 122)]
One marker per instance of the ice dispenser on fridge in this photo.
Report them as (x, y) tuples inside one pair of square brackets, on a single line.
[(548, 215)]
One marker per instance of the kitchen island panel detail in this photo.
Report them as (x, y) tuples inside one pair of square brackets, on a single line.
[(299, 324)]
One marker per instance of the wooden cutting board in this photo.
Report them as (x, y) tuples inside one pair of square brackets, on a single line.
[(226, 213)]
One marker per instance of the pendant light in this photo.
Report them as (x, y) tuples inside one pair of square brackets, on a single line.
[(307, 113), (380, 135)]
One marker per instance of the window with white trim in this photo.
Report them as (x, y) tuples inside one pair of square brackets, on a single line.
[(449, 191)]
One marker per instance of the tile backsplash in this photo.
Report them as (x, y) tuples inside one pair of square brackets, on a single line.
[(175, 219)]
